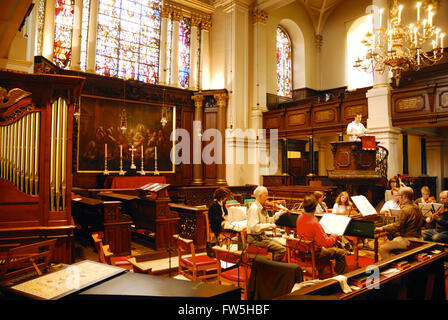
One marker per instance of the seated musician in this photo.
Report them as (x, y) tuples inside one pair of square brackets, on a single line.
[(426, 196), (258, 221), (321, 205), (217, 212), (407, 227), (342, 203), (440, 232), (393, 204), (388, 193), (325, 245)]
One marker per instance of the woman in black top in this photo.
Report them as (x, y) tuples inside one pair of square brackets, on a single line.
[(218, 211)]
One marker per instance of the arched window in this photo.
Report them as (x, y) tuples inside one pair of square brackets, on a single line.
[(357, 78), (284, 66), (128, 39), (63, 28)]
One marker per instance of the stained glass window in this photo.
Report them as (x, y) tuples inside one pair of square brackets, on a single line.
[(128, 39), (84, 33), (284, 69), (184, 52), (63, 22)]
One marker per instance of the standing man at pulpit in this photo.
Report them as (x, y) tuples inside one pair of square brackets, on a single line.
[(355, 129)]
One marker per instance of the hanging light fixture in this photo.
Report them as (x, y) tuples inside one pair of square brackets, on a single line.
[(399, 47)]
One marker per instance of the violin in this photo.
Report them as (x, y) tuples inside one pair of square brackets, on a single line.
[(274, 206), (437, 213)]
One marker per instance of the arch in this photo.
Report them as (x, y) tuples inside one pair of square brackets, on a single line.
[(357, 78), (298, 52)]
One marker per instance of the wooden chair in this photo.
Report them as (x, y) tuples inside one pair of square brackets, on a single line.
[(21, 260), (105, 255), (255, 251), (302, 252), (138, 267), (194, 267), (238, 276)]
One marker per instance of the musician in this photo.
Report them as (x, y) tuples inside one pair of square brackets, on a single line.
[(342, 203), (388, 193), (355, 129), (217, 213), (426, 196), (258, 221), (440, 232), (325, 245), (406, 228), (321, 205), (393, 204)]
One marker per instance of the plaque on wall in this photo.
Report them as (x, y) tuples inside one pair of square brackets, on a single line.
[(409, 104)]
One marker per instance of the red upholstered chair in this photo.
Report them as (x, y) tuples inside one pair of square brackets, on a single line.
[(194, 267), (105, 255), (303, 254), (238, 276), (254, 251)]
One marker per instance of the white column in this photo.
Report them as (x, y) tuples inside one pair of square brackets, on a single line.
[(259, 19), (91, 37), (380, 80), (204, 69), (177, 16), (48, 36), (76, 36), (193, 83), (236, 79), (165, 13)]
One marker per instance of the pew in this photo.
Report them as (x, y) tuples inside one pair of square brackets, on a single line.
[(92, 215)]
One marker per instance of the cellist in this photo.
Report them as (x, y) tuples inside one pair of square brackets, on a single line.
[(440, 232)]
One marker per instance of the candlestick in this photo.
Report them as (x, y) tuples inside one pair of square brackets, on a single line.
[(142, 172), (155, 153), (156, 172), (400, 8), (132, 149), (121, 161), (105, 172)]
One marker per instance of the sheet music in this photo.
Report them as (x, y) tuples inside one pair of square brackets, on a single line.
[(363, 205), (395, 212), (429, 208), (237, 213), (334, 223)]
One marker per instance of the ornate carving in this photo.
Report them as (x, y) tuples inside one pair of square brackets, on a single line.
[(165, 12), (221, 99), (198, 101), (7, 99), (176, 15), (195, 21), (259, 16), (206, 24), (318, 41)]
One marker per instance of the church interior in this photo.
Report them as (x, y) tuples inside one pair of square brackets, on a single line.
[(120, 120)]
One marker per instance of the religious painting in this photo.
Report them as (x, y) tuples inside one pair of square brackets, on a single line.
[(117, 135)]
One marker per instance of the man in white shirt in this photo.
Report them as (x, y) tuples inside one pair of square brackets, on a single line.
[(392, 204), (355, 129), (258, 221)]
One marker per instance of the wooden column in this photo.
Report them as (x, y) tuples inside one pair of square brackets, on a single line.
[(221, 100), (405, 154), (423, 155), (198, 178)]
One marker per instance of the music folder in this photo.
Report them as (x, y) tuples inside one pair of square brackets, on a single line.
[(429, 208), (363, 205), (334, 223)]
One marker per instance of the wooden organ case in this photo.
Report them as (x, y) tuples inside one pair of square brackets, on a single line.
[(36, 122)]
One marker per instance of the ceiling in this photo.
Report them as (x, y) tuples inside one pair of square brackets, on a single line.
[(12, 14)]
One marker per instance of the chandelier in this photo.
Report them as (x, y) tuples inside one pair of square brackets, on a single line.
[(402, 47)]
